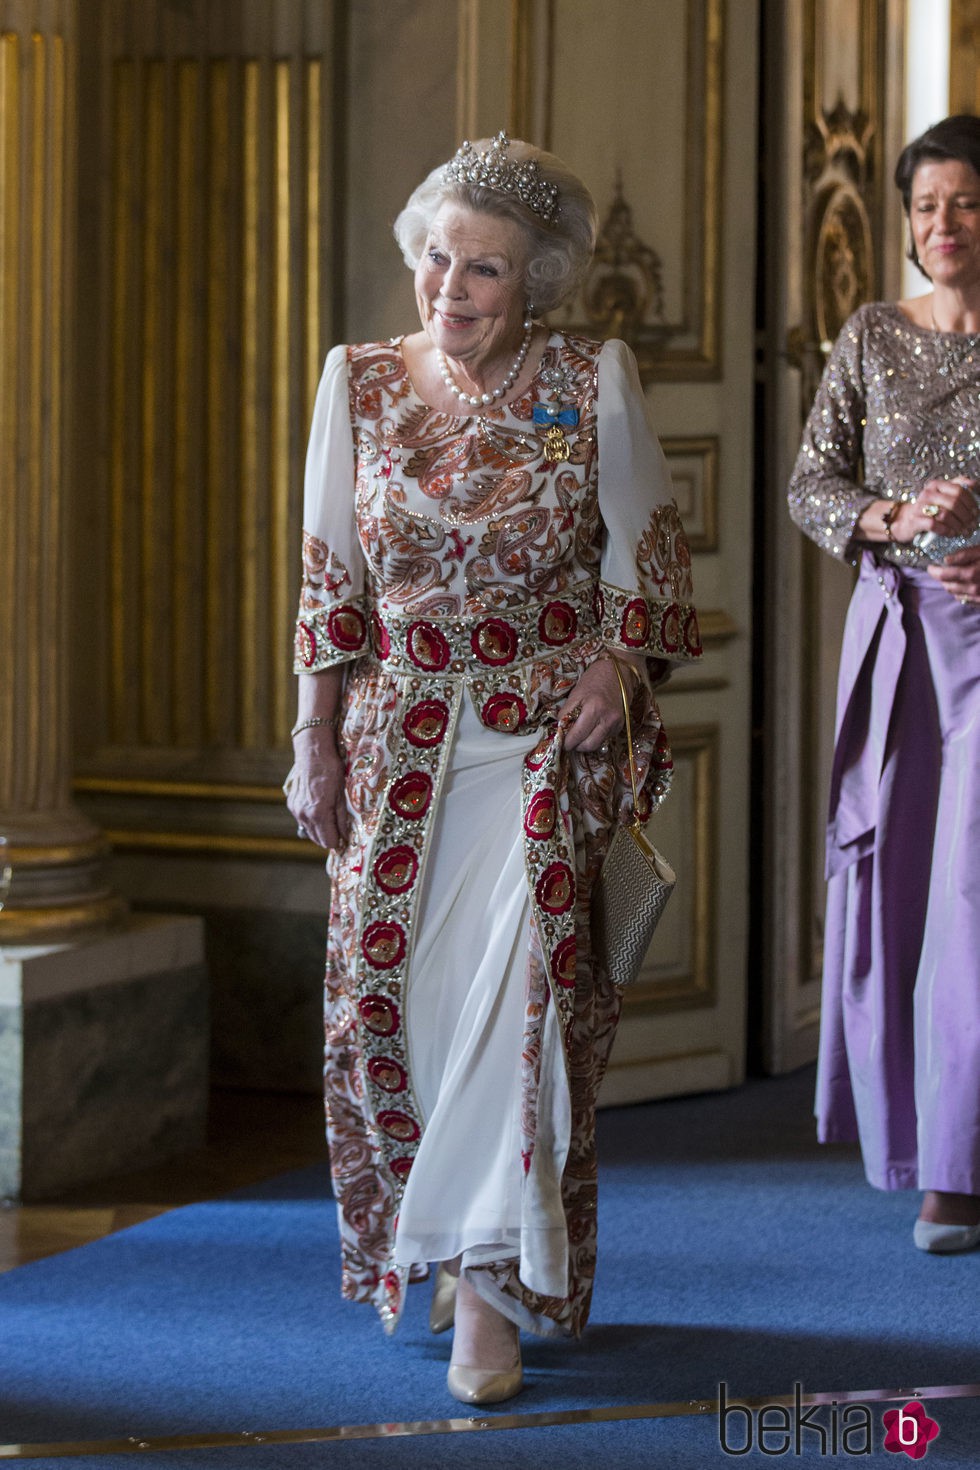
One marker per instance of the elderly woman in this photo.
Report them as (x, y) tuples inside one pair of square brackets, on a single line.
[(488, 524), (900, 1033)]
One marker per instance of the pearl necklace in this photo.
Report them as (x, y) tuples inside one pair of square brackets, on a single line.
[(479, 400)]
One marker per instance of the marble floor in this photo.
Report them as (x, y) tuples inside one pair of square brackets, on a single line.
[(251, 1135)]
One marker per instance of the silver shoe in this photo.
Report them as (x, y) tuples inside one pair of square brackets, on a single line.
[(945, 1239)]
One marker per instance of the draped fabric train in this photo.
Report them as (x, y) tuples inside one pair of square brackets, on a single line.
[(467, 1192)]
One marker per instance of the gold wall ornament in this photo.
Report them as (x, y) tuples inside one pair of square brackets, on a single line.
[(623, 293), (666, 66), (839, 172), (843, 266), (841, 139), (837, 163)]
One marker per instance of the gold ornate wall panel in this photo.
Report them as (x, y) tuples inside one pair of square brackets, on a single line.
[(845, 208), (34, 261), (209, 251), (964, 56), (833, 130), (654, 166), (693, 466)]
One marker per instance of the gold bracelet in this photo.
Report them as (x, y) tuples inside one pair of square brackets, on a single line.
[(331, 720), (889, 515)]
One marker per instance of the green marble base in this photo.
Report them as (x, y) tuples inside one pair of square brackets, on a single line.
[(103, 1054)]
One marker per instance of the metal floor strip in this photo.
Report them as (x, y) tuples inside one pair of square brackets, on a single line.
[(694, 1408)]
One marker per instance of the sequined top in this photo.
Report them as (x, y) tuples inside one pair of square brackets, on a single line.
[(903, 400)]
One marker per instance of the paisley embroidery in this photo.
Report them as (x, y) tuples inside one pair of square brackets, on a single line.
[(482, 563)]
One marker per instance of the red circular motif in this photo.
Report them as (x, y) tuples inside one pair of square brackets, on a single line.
[(541, 815), (388, 1074), (399, 1125), (427, 647), (306, 644), (402, 1167), (347, 628), (383, 944), (536, 758), (644, 807), (379, 1015), (563, 959), (635, 626), (670, 628), (506, 712), (662, 758), (692, 633), (557, 624), (393, 1289), (382, 642), (555, 889), (494, 642), (425, 723), (410, 795), (396, 869)]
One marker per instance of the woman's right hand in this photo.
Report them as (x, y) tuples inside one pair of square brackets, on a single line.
[(315, 792), (956, 513)]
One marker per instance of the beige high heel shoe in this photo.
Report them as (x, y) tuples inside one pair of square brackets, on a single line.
[(474, 1385), (485, 1385), (442, 1309)]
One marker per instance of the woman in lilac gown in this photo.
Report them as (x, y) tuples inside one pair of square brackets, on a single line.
[(899, 1065)]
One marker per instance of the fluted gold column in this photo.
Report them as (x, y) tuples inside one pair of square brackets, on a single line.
[(56, 856)]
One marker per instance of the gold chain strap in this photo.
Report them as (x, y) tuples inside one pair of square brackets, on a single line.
[(629, 732)]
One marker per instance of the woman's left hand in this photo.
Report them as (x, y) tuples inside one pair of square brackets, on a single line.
[(960, 574), (596, 706)]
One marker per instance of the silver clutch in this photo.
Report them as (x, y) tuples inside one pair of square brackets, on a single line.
[(937, 548), (630, 895), (632, 889)]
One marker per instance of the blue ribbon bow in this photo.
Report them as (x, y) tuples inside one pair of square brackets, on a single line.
[(553, 413)]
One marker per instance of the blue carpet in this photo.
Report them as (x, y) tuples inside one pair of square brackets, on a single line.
[(732, 1250)]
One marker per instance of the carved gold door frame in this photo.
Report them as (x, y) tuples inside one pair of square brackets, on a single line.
[(834, 79)]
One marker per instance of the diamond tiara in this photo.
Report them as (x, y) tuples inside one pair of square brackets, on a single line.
[(492, 169)]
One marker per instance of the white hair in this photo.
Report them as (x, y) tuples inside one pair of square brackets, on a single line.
[(558, 254)]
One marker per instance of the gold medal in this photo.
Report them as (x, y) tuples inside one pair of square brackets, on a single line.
[(555, 445)]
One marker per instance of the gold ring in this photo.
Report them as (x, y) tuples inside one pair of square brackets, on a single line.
[(930, 510)]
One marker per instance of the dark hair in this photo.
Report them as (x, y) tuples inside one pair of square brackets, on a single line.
[(956, 138)]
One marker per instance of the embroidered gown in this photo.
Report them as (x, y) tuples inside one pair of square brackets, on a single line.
[(466, 579), (899, 1061)]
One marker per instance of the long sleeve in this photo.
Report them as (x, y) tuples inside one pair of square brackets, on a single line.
[(645, 573), (825, 499), (332, 626)]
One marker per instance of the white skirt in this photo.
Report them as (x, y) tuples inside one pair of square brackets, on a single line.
[(468, 1193)]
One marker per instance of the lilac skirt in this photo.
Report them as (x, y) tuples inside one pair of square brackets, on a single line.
[(899, 1066)]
